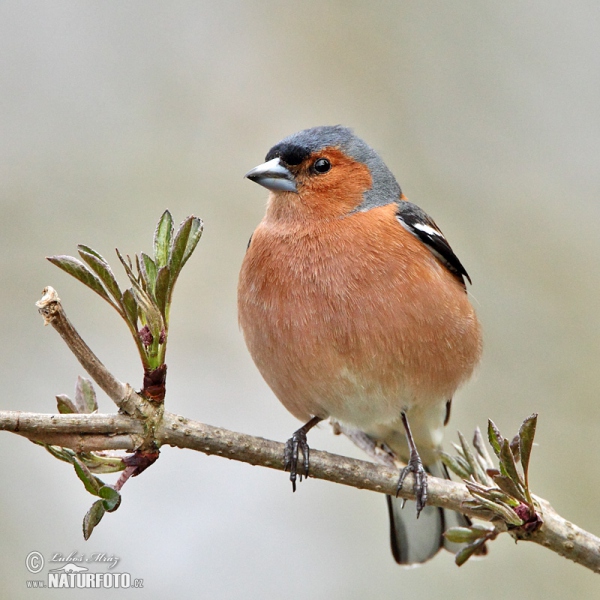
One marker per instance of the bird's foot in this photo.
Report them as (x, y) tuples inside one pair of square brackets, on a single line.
[(293, 447), (415, 466), (296, 444)]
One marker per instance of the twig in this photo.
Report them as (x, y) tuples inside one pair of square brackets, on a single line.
[(51, 309), (146, 427), (82, 433), (180, 432), (556, 533), (565, 538), (122, 394)]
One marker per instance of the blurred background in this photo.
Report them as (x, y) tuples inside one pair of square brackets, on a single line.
[(110, 112)]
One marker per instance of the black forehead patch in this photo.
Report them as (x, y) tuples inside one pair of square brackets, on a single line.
[(291, 154)]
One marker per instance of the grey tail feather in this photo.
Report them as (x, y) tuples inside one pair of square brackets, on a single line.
[(415, 540)]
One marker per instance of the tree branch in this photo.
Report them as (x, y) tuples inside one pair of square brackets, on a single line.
[(108, 432), (82, 433), (146, 426), (51, 309)]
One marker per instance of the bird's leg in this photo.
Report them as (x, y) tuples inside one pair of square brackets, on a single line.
[(379, 451), (292, 447), (414, 466)]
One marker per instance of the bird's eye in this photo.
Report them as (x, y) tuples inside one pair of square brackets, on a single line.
[(322, 165)]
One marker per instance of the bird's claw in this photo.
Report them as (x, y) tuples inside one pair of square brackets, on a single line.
[(291, 455), (415, 466)]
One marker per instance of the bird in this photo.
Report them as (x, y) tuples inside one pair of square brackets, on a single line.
[(354, 308)]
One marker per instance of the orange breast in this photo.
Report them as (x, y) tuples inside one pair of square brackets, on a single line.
[(354, 318)]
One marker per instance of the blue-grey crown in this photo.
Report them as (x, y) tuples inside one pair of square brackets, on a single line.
[(298, 146)]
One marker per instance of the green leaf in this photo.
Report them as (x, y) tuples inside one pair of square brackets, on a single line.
[(455, 465), (459, 451), (64, 454), (101, 464), (526, 435), (162, 239), (503, 510), (475, 467), (161, 291), (485, 530), (463, 535), (495, 437), (77, 269), (131, 307), (92, 518), (90, 251), (65, 405), (92, 484), (476, 507), (515, 448), (507, 463), (129, 270), (142, 277), (85, 396), (149, 272), (483, 454), (464, 464), (493, 494), (193, 238), (179, 246), (506, 484), (463, 555), (112, 498), (102, 269), (149, 313)]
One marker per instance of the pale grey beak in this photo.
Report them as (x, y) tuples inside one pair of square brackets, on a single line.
[(274, 176)]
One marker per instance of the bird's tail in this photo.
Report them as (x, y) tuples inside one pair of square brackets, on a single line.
[(417, 540), (413, 540)]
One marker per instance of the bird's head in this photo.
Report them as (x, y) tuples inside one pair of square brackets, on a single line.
[(323, 173)]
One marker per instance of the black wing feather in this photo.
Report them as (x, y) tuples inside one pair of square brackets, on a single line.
[(423, 227)]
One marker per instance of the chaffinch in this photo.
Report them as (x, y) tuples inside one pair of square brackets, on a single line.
[(354, 307)]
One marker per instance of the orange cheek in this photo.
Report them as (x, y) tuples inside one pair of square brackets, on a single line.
[(330, 195), (339, 191)]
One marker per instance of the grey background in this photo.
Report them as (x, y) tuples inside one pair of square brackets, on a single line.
[(488, 114)]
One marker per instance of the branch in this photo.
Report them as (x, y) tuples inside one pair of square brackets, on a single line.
[(180, 432), (107, 432), (82, 433), (51, 309), (147, 426)]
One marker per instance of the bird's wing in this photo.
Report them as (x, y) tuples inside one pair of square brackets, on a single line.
[(417, 222)]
